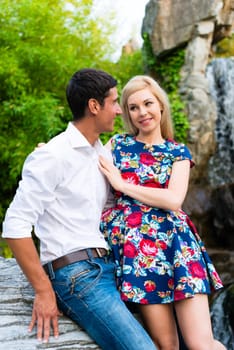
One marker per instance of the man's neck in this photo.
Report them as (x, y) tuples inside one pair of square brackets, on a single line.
[(87, 130)]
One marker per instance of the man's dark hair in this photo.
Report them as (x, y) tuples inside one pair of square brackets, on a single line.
[(86, 84)]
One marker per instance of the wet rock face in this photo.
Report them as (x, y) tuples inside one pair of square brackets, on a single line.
[(211, 197), (220, 73), (223, 207), (16, 298), (222, 316), (212, 210)]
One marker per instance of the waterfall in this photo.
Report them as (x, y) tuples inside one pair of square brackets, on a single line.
[(220, 74)]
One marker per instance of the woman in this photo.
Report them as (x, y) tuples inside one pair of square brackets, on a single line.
[(163, 264)]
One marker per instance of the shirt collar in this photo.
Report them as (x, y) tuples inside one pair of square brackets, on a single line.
[(77, 139)]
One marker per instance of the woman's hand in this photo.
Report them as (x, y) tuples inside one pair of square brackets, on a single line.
[(170, 198), (112, 173)]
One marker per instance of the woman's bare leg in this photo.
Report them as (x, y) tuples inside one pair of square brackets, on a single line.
[(195, 324), (160, 323)]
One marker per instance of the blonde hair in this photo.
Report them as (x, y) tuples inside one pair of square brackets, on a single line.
[(140, 82)]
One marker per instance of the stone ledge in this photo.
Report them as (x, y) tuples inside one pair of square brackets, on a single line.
[(16, 298)]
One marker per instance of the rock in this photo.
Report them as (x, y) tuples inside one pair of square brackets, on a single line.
[(223, 208), (171, 24), (16, 298), (222, 316)]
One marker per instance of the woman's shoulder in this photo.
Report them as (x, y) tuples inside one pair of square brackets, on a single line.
[(177, 146), (179, 150)]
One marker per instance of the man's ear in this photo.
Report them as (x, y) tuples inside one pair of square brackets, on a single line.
[(94, 106)]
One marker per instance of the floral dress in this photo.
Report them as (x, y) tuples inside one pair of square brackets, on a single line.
[(159, 254)]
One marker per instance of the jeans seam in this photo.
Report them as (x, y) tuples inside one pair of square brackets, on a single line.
[(71, 313)]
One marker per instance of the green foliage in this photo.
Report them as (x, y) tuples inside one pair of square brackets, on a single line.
[(149, 58), (4, 249), (127, 66), (42, 43), (166, 70), (225, 48)]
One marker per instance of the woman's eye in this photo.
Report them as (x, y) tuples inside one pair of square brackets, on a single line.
[(148, 103)]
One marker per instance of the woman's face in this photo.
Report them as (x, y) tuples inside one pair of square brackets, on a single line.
[(145, 111)]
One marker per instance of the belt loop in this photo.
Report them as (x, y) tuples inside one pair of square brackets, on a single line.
[(51, 271), (98, 252)]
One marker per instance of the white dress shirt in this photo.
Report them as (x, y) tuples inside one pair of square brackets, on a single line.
[(62, 194)]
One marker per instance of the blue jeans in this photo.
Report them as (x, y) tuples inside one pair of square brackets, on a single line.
[(86, 292)]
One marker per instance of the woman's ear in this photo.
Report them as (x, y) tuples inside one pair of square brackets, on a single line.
[(94, 106)]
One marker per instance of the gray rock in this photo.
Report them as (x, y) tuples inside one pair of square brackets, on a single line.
[(171, 23), (16, 298)]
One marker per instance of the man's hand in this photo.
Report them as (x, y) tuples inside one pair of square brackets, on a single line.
[(45, 314)]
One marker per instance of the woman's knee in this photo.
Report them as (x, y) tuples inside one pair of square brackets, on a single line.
[(198, 344)]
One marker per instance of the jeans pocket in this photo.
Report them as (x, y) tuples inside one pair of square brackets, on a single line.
[(78, 278)]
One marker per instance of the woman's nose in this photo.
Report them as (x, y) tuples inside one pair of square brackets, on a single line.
[(143, 110)]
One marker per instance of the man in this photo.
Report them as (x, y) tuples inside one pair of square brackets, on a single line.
[(62, 194)]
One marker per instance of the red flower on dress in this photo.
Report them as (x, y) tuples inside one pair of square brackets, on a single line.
[(124, 297), (147, 159), (179, 295), (130, 250), (150, 286), (152, 183), (171, 283), (142, 263), (148, 247), (134, 219), (144, 301), (152, 231), (196, 269), (127, 286), (116, 230), (130, 177), (161, 244), (216, 277)]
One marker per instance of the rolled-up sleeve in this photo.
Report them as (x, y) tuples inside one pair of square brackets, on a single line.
[(35, 192)]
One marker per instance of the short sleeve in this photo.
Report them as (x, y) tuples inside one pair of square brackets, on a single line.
[(181, 152)]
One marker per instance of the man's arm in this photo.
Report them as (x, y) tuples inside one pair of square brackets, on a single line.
[(45, 312)]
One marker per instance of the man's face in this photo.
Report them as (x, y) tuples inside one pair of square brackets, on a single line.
[(108, 112)]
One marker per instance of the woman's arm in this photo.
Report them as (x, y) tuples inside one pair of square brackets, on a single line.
[(170, 198)]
